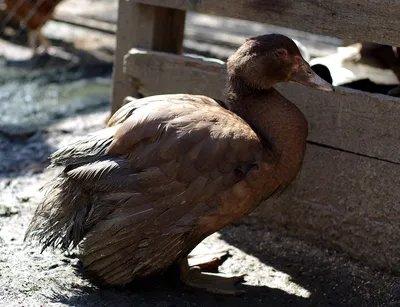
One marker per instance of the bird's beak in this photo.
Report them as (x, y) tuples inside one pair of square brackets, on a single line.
[(303, 74)]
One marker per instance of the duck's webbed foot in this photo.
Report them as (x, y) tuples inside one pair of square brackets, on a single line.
[(208, 262), (204, 275)]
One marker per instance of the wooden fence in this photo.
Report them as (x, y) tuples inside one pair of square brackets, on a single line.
[(348, 192)]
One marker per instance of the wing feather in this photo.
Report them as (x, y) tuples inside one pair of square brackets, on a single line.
[(162, 161)]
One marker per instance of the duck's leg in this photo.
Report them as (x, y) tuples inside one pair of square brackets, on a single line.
[(44, 42), (32, 40), (194, 276)]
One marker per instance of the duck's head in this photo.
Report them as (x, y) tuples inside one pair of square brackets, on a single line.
[(266, 60)]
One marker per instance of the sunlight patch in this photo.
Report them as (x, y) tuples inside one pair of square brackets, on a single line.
[(258, 273)]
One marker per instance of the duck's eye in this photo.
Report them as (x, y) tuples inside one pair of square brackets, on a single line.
[(281, 53)]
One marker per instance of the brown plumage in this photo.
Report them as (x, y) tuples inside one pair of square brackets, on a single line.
[(33, 14), (170, 170)]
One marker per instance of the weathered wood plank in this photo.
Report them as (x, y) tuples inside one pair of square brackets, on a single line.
[(344, 201), (129, 27), (143, 26), (351, 120), (375, 20)]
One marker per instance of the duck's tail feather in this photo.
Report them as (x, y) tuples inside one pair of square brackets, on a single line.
[(59, 219), (78, 198), (88, 149), (62, 217)]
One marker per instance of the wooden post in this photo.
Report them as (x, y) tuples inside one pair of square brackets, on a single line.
[(143, 26)]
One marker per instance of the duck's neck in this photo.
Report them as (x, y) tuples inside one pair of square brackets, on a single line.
[(277, 121)]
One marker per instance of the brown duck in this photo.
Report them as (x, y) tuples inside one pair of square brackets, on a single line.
[(170, 170), (33, 14)]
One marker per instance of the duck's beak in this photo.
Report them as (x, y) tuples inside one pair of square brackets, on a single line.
[(303, 74)]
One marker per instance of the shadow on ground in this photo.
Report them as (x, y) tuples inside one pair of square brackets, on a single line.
[(330, 276), (177, 296)]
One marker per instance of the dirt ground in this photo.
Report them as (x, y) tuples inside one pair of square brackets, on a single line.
[(282, 271)]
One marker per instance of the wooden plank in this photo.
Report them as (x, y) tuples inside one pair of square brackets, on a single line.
[(188, 74), (143, 26), (374, 21), (128, 36), (344, 201), (359, 122)]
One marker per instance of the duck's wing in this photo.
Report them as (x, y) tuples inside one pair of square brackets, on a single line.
[(166, 162), (131, 104)]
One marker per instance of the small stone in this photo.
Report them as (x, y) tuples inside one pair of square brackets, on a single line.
[(6, 211), (23, 198), (53, 266)]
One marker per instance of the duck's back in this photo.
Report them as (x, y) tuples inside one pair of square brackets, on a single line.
[(168, 171)]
